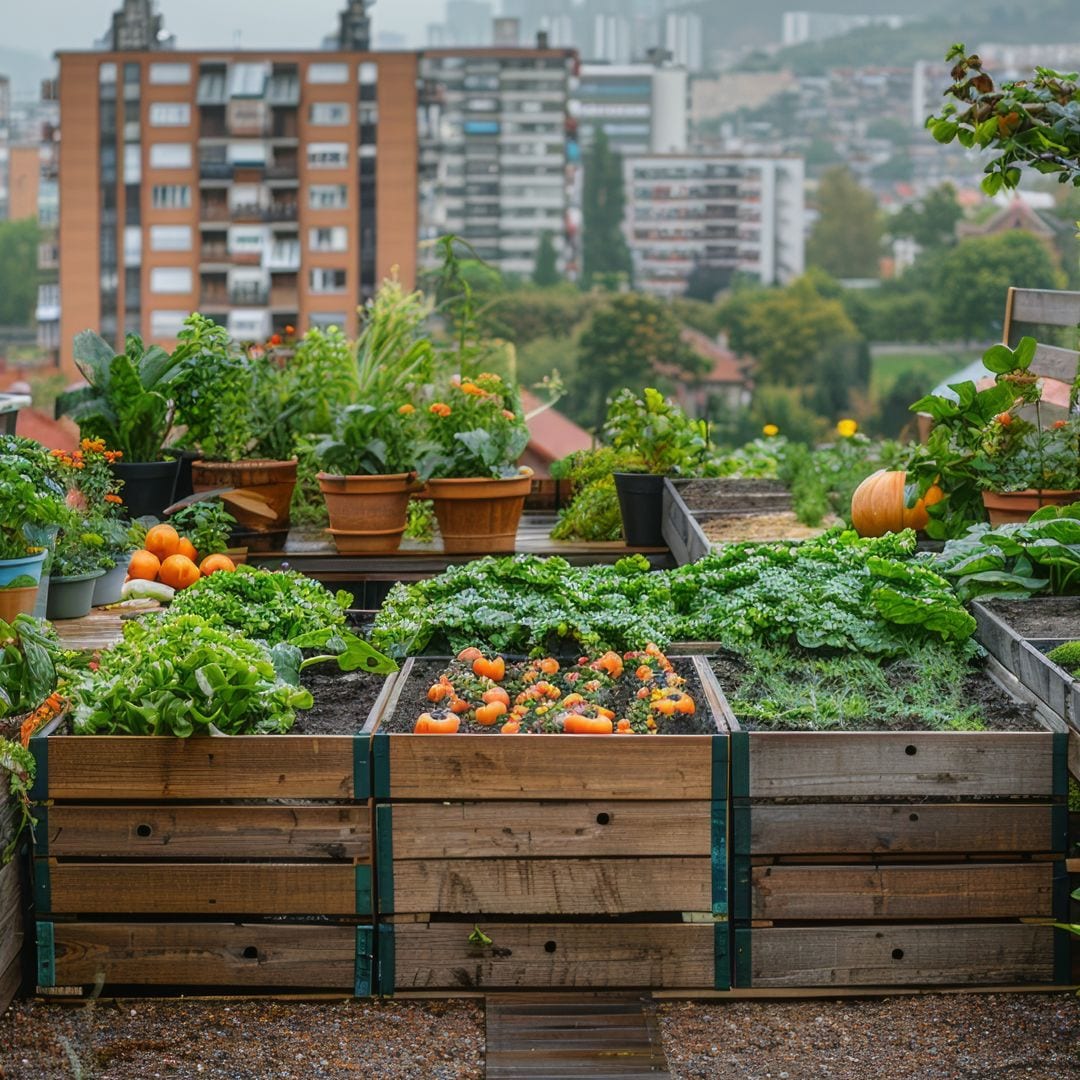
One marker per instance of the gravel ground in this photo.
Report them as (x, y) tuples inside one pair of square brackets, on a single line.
[(943, 1037)]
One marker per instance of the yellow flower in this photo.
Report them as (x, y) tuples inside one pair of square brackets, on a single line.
[(769, 430), (846, 428), (406, 409)]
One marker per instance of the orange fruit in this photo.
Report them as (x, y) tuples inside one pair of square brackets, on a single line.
[(186, 547), (162, 541), (178, 572), (212, 563), (144, 565)]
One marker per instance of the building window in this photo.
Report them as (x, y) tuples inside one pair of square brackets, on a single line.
[(327, 155), (328, 73), (170, 74), (171, 197), (335, 238), (170, 156), (170, 279), (170, 114), (368, 74), (248, 239), (132, 245), (132, 163), (166, 324), (328, 197), (170, 237), (329, 113), (323, 320), (327, 281)]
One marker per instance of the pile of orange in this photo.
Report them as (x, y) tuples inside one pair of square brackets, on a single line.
[(171, 559)]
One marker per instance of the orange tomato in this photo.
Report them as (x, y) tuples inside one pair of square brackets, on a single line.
[(496, 693), (162, 541), (213, 563), (488, 714), (186, 547), (574, 724), (494, 669), (511, 727), (469, 654), (549, 665), (459, 705), (178, 571), (144, 565)]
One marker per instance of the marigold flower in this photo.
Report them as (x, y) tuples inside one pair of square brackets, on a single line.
[(471, 388), (275, 339), (1057, 425), (440, 408), (407, 409), (290, 329), (508, 414), (769, 430), (846, 428), (114, 499), (1004, 418)]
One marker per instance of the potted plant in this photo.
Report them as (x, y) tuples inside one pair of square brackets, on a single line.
[(128, 404), (79, 561), (660, 440), (208, 525)]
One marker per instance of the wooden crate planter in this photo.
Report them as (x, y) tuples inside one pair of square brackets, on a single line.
[(204, 862), (588, 861), (896, 859), (12, 903)]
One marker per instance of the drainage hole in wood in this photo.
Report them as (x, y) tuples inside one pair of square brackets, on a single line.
[(911, 751), (144, 831), (898, 954), (603, 819), (550, 946)]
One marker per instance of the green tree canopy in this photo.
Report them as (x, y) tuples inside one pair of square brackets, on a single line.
[(930, 222), (605, 253), (18, 272), (546, 270), (846, 238)]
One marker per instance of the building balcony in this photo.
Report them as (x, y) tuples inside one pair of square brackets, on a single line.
[(215, 170), (282, 211), (213, 299), (214, 211), (248, 212), (284, 300), (249, 295), (246, 258), (288, 170), (214, 253)]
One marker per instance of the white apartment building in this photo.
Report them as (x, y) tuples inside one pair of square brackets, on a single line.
[(726, 214)]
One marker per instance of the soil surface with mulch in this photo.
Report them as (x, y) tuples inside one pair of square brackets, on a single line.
[(1041, 616), (1000, 711), (737, 528), (343, 700), (926, 1037), (726, 494)]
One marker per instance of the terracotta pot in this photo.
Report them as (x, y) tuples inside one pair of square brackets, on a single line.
[(258, 494), (17, 602), (367, 513), (1006, 507), (479, 516)]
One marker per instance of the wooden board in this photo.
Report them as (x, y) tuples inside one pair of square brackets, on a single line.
[(438, 955), (550, 767), (965, 891), (179, 831), (552, 886), (900, 955), (12, 935), (1050, 683), (205, 954), (681, 531), (202, 888), (1046, 307), (241, 767), (884, 764), (535, 829), (900, 828)]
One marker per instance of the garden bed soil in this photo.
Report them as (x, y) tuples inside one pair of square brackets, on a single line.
[(343, 701), (1000, 711), (736, 528), (414, 701), (1056, 617), (725, 494)]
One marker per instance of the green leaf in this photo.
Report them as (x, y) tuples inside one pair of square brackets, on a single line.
[(287, 658), (944, 131)]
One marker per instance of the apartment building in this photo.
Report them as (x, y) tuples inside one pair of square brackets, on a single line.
[(498, 152), (266, 189), (721, 214)]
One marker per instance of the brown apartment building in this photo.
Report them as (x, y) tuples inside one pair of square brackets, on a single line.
[(264, 189)]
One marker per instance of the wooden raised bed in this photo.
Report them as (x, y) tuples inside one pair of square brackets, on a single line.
[(223, 862), (899, 859), (12, 903), (588, 861)]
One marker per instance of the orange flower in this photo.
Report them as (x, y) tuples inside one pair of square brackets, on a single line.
[(114, 499), (471, 388), (275, 339), (1004, 419), (440, 408), (1059, 424), (290, 329), (406, 409), (508, 414)]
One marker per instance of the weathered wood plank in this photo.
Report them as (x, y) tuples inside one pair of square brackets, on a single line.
[(552, 886), (1045, 307), (242, 767), (1052, 362), (1050, 683), (462, 830), (202, 888), (884, 765), (11, 922), (205, 954), (902, 955), (438, 955), (550, 767), (995, 634), (176, 832), (965, 891), (899, 828)]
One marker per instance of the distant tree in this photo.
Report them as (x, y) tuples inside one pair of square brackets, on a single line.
[(894, 418), (626, 343), (846, 239), (705, 282), (18, 272), (546, 270), (605, 253), (971, 281), (930, 222)]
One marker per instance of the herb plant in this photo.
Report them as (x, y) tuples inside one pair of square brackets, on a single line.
[(29, 653), (207, 524), (370, 440), (31, 498), (661, 438)]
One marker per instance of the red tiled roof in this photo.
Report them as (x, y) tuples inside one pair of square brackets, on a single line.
[(726, 366), (551, 434)]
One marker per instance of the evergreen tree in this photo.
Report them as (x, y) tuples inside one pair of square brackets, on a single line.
[(605, 254), (18, 272), (846, 239), (546, 270)]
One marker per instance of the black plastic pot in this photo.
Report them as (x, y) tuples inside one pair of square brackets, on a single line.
[(148, 486), (183, 480), (641, 503)]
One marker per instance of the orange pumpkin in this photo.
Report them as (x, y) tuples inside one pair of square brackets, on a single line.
[(877, 507), (178, 572)]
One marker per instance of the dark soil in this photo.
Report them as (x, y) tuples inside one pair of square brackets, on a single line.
[(343, 700), (1000, 711), (1041, 617), (741, 496), (414, 701)]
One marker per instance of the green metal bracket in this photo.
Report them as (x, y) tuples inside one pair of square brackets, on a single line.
[(364, 895), (365, 961), (39, 829), (721, 955), (384, 856), (719, 858), (385, 959), (1059, 828), (1061, 764), (720, 767), (740, 764), (46, 955), (362, 766), (39, 747), (42, 887), (380, 752)]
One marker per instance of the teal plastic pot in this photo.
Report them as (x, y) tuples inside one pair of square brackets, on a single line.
[(72, 597), (107, 587), (10, 569)]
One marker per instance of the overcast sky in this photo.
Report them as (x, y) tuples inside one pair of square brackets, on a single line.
[(43, 26)]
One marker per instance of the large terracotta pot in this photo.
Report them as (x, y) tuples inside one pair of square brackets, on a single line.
[(1005, 507), (479, 516), (368, 514), (257, 493), (17, 602)]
